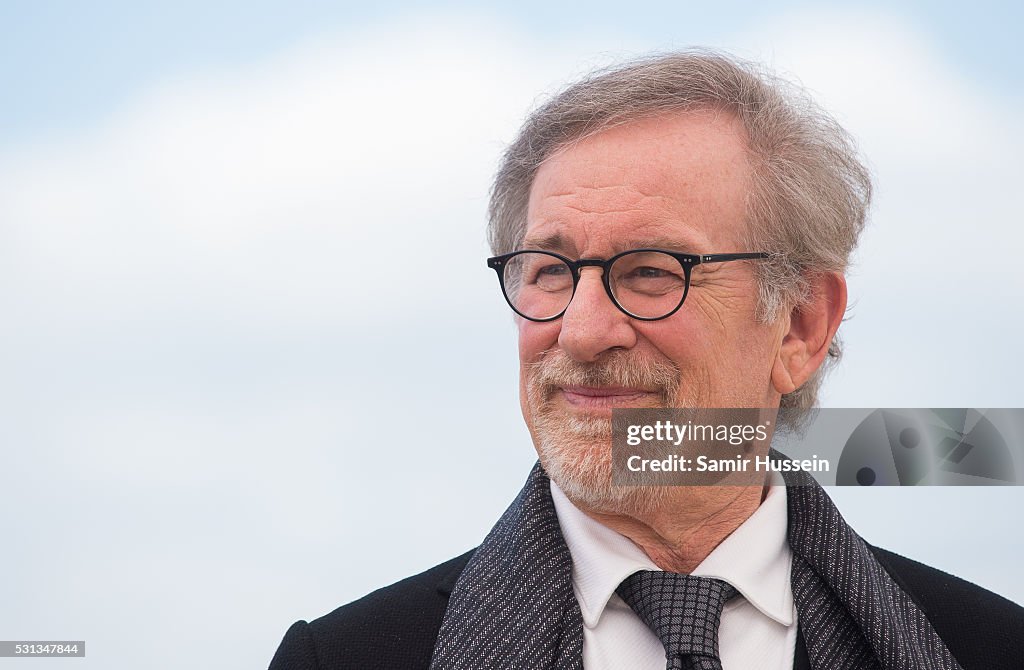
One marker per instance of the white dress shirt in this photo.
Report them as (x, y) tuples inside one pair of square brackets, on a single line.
[(758, 628)]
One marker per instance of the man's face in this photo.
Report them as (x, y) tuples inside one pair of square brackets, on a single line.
[(678, 183)]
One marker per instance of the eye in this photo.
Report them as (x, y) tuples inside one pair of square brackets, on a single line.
[(544, 272), (647, 272), (553, 270)]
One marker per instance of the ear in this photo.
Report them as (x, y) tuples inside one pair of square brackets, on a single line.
[(811, 329)]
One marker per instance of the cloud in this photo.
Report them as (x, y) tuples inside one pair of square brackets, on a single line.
[(322, 168)]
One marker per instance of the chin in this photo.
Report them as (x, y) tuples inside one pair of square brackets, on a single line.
[(576, 452)]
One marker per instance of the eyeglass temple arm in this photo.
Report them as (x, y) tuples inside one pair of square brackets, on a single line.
[(721, 258)]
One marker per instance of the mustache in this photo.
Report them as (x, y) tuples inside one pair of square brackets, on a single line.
[(555, 369)]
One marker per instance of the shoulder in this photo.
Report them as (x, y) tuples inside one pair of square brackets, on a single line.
[(981, 629), (393, 627)]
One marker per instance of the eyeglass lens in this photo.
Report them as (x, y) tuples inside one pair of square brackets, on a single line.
[(647, 284)]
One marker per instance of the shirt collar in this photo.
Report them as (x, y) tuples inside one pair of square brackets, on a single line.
[(755, 558)]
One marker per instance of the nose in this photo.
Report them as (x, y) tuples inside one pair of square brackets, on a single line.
[(592, 324)]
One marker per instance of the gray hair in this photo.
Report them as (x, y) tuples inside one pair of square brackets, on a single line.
[(810, 193)]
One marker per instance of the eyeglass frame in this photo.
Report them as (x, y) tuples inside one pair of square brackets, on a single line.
[(686, 261)]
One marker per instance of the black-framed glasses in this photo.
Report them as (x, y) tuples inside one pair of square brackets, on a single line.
[(646, 284)]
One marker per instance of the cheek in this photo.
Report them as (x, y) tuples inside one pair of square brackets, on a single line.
[(536, 338), (715, 360), (720, 333), (680, 339)]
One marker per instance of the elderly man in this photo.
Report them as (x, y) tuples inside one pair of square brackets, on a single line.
[(670, 233)]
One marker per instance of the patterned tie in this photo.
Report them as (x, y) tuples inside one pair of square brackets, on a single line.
[(683, 611)]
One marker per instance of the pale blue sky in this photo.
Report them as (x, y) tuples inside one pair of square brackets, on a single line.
[(65, 64), (212, 426)]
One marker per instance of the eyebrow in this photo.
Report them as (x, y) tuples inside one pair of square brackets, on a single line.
[(667, 243), (552, 242), (558, 242)]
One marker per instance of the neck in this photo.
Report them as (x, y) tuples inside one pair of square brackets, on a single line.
[(685, 527)]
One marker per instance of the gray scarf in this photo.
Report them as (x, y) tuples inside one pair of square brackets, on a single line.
[(513, 606)]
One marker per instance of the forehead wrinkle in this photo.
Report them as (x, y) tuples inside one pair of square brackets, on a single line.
[(630, 192), (629, 206), (644, 185), (657, 193)]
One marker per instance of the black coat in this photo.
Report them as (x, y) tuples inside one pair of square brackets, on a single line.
[(395, 628)]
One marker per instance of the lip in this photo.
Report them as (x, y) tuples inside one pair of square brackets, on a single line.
[(600, 397)]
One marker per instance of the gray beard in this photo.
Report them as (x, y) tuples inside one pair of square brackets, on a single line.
[(577, 455), (576, 451)]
